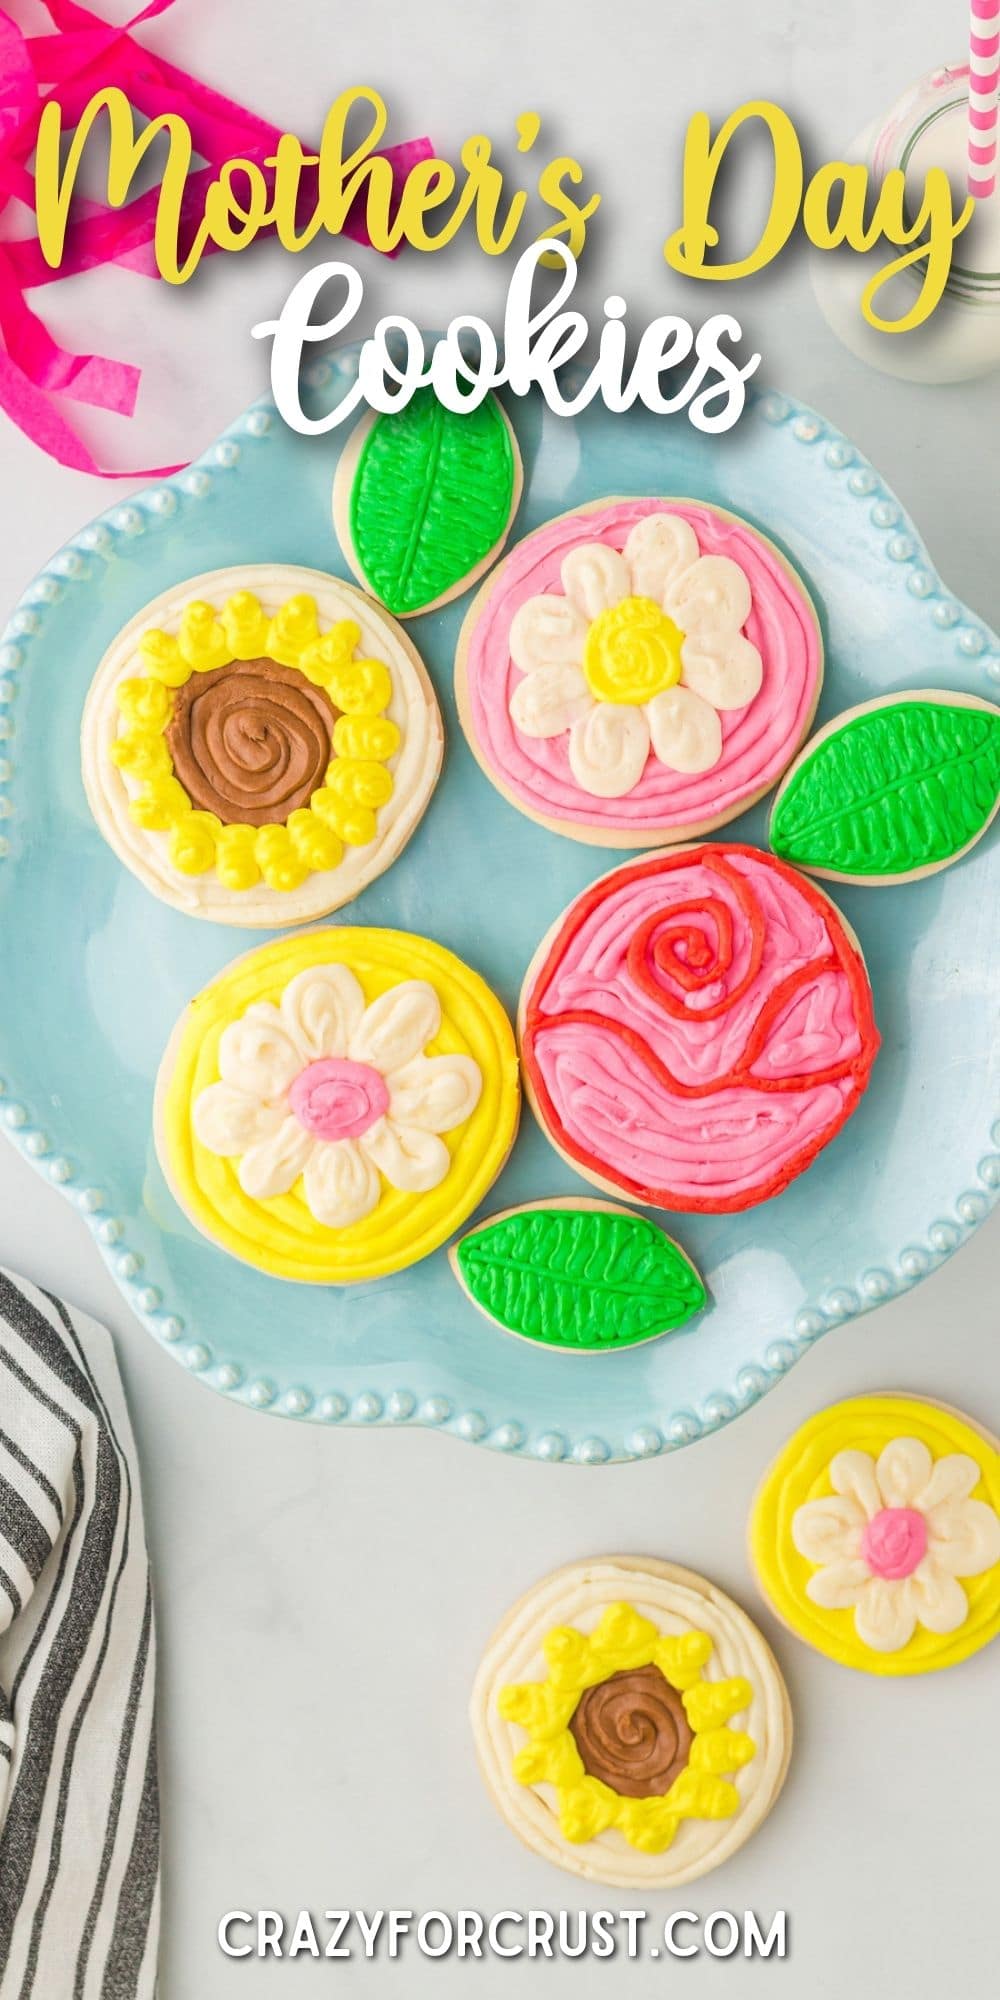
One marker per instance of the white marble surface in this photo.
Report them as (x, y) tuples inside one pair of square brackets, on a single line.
[(323, 1598)]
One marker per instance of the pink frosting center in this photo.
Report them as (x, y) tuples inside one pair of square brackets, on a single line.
[(894, 1542), (337, 1099)]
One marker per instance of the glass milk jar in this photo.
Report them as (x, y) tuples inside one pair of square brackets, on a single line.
[(927, 127)]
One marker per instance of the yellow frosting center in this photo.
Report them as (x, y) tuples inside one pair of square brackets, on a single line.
[(632, 652)]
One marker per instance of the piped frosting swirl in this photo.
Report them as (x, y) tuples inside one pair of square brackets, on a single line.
[(632, 1733), (251, 741)]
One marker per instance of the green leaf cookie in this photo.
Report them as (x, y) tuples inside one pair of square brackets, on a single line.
[(432, 496), (585, 1278), (896, 788)]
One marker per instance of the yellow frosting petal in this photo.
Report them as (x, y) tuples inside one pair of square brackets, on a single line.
[(622, 1640), (342, 812)]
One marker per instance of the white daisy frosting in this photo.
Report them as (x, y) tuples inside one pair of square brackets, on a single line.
[(893, 1539), (641, 653), (337, 1092)]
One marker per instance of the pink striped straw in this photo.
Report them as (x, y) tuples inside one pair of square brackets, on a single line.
[(984, 92)]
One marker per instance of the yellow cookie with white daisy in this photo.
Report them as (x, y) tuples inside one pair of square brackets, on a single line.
[(631, 1722), (876, 1535), (333, 1106), (259, 743)]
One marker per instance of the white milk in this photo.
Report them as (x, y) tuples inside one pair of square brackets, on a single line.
[(926, 127)]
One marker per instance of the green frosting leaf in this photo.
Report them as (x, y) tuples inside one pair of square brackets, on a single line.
[(907, 785), (431, 498), (579, 1277)]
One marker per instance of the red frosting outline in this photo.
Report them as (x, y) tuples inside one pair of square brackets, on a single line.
[(844, 956), (699, 966)]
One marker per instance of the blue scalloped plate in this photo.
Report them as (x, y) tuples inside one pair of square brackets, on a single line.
[(97, 970)]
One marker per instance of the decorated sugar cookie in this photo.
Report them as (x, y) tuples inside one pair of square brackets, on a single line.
[(876, 1535), (578, 1276), (259, 744), (334, 1105), (639, 671), (696, 1027), (423, 500), (892, 790), (631, 1723)]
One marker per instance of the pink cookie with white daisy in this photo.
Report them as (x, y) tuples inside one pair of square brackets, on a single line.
[(639, 671)]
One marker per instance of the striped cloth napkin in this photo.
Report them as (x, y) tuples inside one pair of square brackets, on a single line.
[(79, 1811)]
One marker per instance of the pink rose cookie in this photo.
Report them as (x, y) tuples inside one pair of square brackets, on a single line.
[(696, 1027), (640, 671)]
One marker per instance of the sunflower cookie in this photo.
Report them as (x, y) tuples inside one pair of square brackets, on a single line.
[(696, 1027), (259, 744), (639, 671), (333, 1105), (423, 500), (876, 1535), (631, 1723)]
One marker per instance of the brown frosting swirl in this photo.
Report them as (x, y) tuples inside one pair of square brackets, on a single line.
[(632, 1733), (250, 742)]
